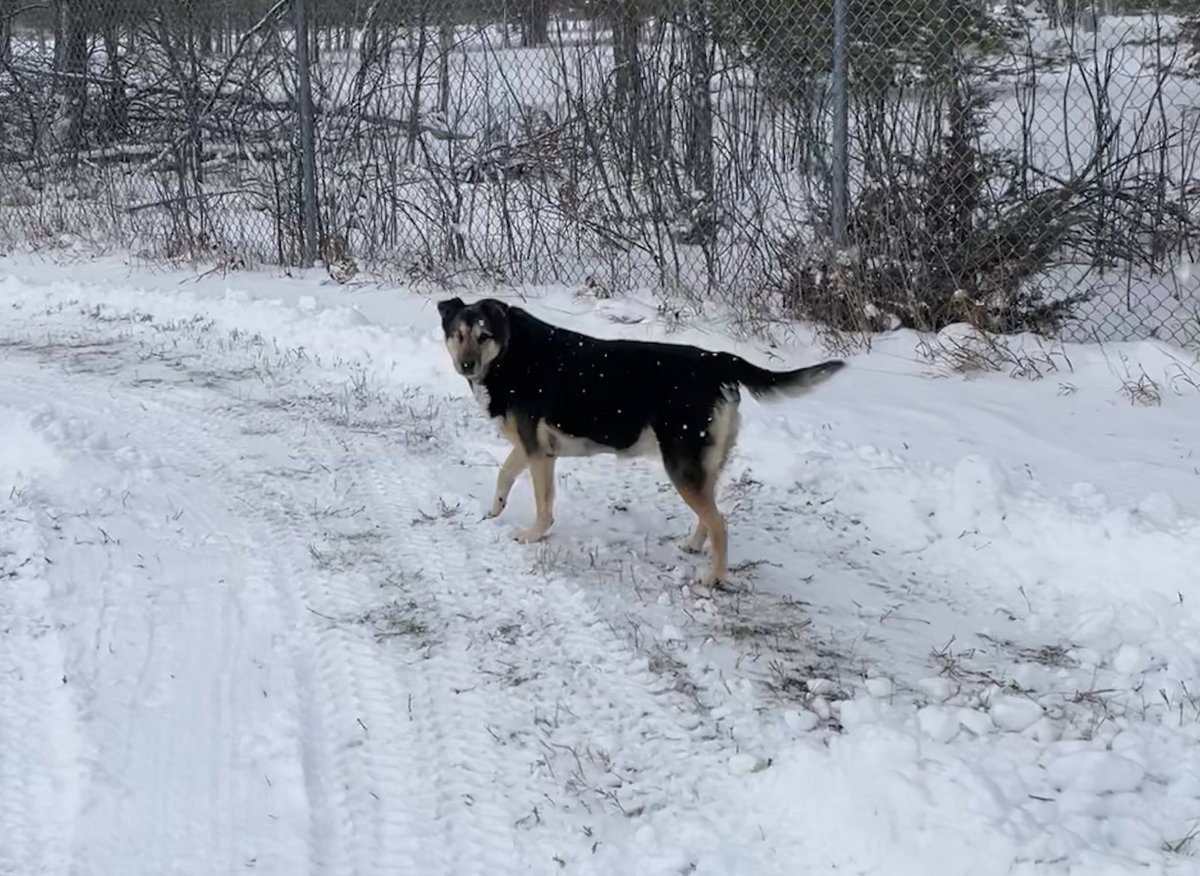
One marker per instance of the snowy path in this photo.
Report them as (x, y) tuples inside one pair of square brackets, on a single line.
[(246, 733), (275, 657), (252, 621)]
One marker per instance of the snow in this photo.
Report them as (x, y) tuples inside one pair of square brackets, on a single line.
[(1014, 713), (879, 687), (253, 618), (1095, 772)]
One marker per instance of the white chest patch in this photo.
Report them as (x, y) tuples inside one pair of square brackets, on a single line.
[(559, 443), (481, 395), (485, 399)]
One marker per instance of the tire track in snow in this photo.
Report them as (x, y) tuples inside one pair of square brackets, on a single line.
[(383, 752), (38, 781), (330, 699), (141, 742), (474, 754), (538, 754), (524, 730), (355, 760), (596, 728), (358, 760), (484, 764)]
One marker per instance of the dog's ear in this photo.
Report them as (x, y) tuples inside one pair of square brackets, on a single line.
[(494, 309), (449, 309), (497, 316)]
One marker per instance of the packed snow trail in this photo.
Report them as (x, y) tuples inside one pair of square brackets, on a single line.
[(175, 667), (278, 657), (253, 620)]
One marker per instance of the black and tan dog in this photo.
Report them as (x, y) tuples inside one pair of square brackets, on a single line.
[(555, 392)]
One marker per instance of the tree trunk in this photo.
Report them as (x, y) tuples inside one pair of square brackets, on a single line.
[(446, 44), (630, 105), (698, 158), (117, 110), (6, 10), (626, 28), (60, 40), (535, 23), (414, 114), (74, 68)]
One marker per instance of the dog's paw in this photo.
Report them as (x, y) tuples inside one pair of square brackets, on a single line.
[(529, 536), (496, 510), (711, 582), (688, 545)]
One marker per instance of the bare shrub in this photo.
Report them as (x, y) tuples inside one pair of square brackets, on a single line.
[(679, 147), (946, 228)]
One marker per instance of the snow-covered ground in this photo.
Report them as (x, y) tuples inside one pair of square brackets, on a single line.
[(252, 620)]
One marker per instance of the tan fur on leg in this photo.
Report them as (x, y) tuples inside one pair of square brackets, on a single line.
[(724, 425), (541, 471), (702, 502), (510, 470), (694, 543), (710, 523)]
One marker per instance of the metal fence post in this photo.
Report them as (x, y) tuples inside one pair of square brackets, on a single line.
[(840, 88), (308, 164)]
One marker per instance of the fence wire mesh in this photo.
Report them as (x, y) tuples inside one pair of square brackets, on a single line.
[(1019, 167)]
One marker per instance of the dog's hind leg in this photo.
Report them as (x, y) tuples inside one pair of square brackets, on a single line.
[(510, 470), (541, 472), (694, 469), (709, 519), (694, 476)]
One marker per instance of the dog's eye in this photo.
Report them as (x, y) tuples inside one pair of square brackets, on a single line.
[(484, 337)]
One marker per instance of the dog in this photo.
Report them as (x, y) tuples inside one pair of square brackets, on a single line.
[(559, 393)]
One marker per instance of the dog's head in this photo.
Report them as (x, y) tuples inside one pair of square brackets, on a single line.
[(476, 334)]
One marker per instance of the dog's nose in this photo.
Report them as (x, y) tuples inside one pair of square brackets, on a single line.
[(468, 365)]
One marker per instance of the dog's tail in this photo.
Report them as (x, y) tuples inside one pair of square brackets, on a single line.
[(768, 385)]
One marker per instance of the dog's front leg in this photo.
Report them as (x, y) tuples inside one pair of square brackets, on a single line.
[(510, 470), (541, 472), (694, 543)]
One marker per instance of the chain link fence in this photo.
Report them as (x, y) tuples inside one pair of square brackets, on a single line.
[(859, 162)]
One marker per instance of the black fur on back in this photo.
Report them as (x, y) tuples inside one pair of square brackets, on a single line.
[(610, 391)]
